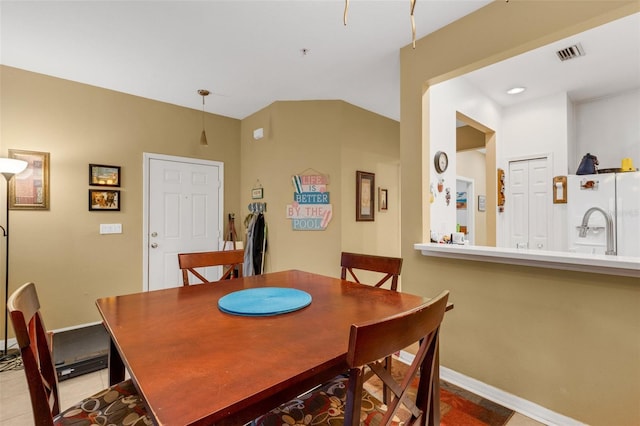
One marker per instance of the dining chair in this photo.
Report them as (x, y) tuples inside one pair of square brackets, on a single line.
[(120, 404), (230, 260), (343, 400), (390, 266)]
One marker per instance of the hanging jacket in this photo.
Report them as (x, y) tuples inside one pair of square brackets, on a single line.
[(247, 266), (259, 243)]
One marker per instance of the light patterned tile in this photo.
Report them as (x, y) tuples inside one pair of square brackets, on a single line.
[(79, 388), (104, 376), (19, 405), (12, 382), (14, 398), (15, 406), (20, 420)]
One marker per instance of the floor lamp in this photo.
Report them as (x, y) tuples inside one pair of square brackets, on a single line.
[(8, 167)]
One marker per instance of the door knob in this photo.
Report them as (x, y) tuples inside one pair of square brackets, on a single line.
[(154, 245)]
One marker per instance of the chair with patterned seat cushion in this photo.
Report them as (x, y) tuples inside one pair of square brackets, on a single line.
[(343, 400), (230, 260), (390, 266), (118, 405)]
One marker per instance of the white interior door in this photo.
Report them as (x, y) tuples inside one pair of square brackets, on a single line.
[(465, 211), (517, 204), (184, 205), (528, 203), (540, 202)]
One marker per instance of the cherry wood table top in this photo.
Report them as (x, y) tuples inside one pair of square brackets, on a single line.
[(196, 365)]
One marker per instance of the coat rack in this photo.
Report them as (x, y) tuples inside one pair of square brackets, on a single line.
[(257, 207)]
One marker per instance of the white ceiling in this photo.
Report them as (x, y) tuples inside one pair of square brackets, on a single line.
[(250, 53), (611, 64)]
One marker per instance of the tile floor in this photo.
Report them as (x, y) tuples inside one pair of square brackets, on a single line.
[(15, 407)]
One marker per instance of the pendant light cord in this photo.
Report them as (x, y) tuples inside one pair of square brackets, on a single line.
[(203, 113), (203, 135)]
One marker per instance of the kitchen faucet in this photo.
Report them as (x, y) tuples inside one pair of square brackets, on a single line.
[(609, 228)]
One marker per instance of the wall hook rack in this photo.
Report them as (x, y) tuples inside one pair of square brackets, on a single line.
[(257, 207)]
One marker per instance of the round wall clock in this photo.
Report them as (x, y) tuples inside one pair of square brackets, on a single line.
[(441, 161)]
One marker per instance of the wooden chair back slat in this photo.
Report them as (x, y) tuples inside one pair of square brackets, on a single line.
[(231, 260), (390, 266), (42, 379), (33, 341), (372, 342)]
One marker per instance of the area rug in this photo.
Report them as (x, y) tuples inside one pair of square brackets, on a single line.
[(458, 407)]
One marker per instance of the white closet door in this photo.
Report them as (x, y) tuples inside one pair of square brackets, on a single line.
[(528, 203), (517, 204), (539, 204)]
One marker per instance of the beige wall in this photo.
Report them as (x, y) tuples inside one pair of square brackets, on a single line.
[(567, 341), (61, 249), (468, 138), (327, 137)]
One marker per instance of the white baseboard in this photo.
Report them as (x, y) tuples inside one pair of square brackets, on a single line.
[(11, 344), (513, 402)]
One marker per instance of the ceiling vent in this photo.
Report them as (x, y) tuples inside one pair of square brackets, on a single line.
[(570, 52)]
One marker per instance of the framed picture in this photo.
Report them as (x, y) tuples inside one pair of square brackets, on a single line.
[(101, 175), (382, 199), (29, 190), (104, 200), (365, 187), (461, 200), (257, 193)]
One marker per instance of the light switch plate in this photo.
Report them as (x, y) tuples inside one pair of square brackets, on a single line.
[(111, 228)]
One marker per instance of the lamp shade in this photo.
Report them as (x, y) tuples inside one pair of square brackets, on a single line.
[(12, 166)]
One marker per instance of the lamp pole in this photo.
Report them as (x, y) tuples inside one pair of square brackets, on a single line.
[(5, 232), (8, 167)]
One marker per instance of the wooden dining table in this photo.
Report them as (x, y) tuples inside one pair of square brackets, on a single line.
[(196, 365)]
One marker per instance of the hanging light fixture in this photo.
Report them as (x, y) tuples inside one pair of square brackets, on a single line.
[(203, 136)]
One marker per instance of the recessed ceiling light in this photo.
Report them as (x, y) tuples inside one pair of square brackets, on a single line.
[(516, 90)]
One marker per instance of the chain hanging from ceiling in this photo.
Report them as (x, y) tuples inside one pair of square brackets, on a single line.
[(413, 21)]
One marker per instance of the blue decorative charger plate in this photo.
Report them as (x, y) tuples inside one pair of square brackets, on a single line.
[(263, 301)]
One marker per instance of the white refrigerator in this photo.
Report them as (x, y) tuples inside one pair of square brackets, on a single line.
[(618, 195)]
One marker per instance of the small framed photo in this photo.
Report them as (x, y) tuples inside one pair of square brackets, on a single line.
[(257, 193), (461, 200), (102, 175), (29, 190), (382, 199), (104, 200), (365, 196)]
